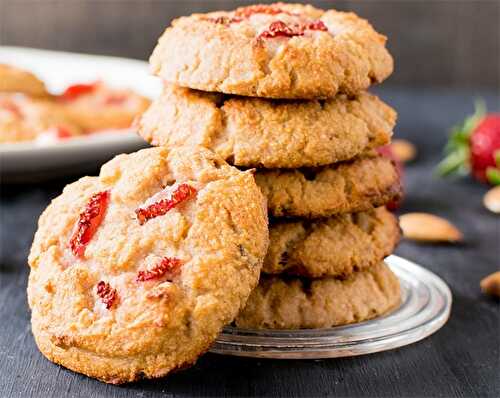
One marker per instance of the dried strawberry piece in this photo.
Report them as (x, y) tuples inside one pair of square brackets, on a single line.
[(316, 25), (224, 20), (107, 294), (76, 90), (247, 12), (89, 221), (279, 28), (62, 132), (115, 99), (169, 266), (182, 193)]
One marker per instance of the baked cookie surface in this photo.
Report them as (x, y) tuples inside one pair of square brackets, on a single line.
[(23, 118), (135, 272), (294, 303), (274, 51), (366, 182), (15, 80), (255, 132), (336, 246), (96, 106)]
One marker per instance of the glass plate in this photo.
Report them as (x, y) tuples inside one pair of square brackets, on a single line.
[(425, 308)]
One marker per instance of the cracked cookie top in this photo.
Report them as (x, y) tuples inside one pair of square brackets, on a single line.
[(275, 51), (253, 132), (135, 272)]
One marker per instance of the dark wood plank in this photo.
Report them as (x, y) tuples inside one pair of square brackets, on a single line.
[(461, 360)]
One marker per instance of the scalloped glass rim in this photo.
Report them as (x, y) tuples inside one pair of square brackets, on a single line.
[(425, 308)]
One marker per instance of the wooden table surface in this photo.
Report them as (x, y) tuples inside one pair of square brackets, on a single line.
[(460, 360)]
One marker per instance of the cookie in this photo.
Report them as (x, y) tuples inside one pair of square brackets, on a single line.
[(253, 132), (135, 272), (23, 118), (97, 107), (336, 246), (348, 187), (15, 80), (294, 303), (273, 51)]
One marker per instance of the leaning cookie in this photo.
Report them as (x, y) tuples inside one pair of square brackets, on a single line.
[(15, 80), (294, 303), (135, 272), (253, 132), (366, 182), (274, 51), (336, 246)]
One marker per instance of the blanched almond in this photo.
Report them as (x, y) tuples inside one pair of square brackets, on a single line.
[(428, 228), (491, 284), (492, 199), (403, 150)]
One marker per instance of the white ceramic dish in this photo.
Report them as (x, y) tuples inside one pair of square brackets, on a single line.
[(34, 161), (425, 308)]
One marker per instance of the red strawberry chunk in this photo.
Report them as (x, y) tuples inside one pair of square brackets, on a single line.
[(88, 222), (76, 90), (279, 28), (107, 294), (182, 193), (169, 266), (247, 12)]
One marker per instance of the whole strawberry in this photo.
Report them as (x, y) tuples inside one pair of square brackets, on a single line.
[(474, 148)]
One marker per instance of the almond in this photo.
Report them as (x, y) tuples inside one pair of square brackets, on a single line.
[(428, 228), (492, 199), (491, 284), (403, 150)]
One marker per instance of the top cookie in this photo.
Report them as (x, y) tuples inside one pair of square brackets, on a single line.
[(15, 80), (135, 272), (276, 51)]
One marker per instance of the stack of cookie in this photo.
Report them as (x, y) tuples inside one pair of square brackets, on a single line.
[(280, 88)]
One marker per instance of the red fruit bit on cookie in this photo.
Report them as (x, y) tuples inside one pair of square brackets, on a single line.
[(115, 99), (279, 28), (247, 12), (76, 90), (107, 294), (224, 20), (180, 194), (316, 25), (89, 221), (169, 266)]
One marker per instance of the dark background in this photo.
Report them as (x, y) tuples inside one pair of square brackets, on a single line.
[(434, 43), (446, 53)]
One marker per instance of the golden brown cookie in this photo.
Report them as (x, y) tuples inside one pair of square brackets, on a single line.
[(294, 303), (15, 80), (335, 246), (96, 106), (275, 51), (255, 132), (135, 272), (23, 118), (366, 182)]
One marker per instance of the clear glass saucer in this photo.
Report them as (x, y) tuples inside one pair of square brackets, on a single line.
[(425, 308)]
